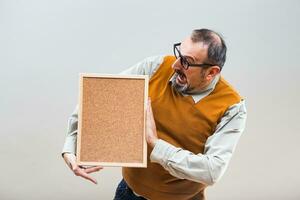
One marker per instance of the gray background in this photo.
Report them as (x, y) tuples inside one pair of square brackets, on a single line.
[(45, 44)]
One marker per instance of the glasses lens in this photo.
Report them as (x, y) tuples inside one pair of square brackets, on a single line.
[(184, 62)]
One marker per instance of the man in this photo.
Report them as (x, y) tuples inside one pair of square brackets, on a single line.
[(194, 121)]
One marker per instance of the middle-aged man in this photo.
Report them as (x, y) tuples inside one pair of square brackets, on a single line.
[(194, 121)]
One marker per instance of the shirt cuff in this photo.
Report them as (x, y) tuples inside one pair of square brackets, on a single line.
[(162, 151), (69, 146)]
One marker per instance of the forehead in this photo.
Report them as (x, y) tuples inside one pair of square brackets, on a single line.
[(195, 50)]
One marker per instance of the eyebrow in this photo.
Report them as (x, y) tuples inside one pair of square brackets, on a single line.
[(190, 58), (186, 55)]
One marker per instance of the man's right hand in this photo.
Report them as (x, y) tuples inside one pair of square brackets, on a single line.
[(70, 159)]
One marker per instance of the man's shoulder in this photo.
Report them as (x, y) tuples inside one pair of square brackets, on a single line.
[(228, 89), (154, 59)]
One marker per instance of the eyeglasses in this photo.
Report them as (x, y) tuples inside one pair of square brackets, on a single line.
[(184, 60)]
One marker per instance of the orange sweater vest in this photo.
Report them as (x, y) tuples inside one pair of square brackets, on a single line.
[(184, 124)]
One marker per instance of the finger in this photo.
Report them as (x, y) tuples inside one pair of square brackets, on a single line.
[(92, 169), (86, 176), (149, 108), (150, 113), (149, 103), (148, 119)]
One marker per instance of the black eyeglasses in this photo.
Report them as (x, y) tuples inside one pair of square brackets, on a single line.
[(184, 61)]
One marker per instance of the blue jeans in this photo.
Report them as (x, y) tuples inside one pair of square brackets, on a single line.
[(123, 192)]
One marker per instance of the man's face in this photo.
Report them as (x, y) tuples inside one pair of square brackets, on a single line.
[(194, 78)]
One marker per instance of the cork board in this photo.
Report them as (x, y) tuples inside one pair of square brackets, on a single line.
[(111, 120)]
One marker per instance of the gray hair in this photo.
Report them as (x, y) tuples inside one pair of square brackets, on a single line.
[(216, 52)]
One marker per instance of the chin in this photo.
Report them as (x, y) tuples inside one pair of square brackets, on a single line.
[(182, 88)]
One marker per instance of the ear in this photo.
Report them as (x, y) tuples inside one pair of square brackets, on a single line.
[(212, 72)]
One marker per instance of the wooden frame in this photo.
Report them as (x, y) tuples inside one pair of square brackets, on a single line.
[(121, 128)]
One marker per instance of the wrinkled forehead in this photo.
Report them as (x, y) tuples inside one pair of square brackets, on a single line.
[(196, 50)]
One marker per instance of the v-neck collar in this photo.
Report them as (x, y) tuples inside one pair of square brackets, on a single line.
[(199, 95)]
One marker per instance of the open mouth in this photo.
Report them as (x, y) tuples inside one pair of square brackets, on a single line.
[(181, 78)]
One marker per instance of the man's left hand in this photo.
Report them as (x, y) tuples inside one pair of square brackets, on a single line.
[(151, 134)]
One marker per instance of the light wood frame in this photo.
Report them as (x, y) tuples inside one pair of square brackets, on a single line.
[(143, 164)]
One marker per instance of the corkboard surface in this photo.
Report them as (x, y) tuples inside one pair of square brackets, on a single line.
[(112, 121)]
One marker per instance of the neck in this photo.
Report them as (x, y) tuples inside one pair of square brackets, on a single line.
[(205, 85)]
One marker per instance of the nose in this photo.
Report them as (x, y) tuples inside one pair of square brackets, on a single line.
[(177, 65)]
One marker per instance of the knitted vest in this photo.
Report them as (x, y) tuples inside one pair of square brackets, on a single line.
[(183, 123)]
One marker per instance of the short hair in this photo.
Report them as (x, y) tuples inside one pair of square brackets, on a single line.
[(216, 51)]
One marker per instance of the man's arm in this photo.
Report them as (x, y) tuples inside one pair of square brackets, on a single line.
[(146, 67), (71, 138), (69, 150), (208, 167)]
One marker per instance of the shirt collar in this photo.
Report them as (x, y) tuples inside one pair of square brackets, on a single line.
[(206, 91)]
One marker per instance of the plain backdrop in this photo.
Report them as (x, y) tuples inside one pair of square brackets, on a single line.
[(44, 44)]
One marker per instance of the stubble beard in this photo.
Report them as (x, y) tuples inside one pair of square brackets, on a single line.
[(186, 88), (180, 88)]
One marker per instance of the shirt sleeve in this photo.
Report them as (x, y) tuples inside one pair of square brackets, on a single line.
[(208, 167), (147, 66), (71, 137)]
